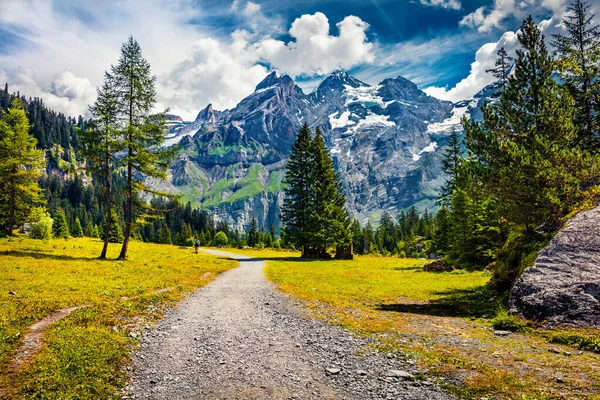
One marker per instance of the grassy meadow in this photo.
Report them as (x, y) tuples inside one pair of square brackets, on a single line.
[(445, 321), (84, 354)]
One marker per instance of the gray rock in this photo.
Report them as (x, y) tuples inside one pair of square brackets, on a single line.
[(502, 333), (396, 373), (563, 285), (334, 371)]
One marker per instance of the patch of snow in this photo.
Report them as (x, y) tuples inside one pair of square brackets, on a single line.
[(405, 104), (428, 149), (373, 120), (446, 125), (341, 121), (265, 89), (364, 94)]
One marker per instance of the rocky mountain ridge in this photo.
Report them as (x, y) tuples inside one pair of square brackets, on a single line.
[(386, 140)]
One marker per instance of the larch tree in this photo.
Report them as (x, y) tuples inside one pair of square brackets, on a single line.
[(143, 132), (100, 142), (20, 166)]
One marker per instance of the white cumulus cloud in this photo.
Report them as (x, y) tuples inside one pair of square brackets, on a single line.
[(314, 50), (65, 92), (478, 78), (487, 18)]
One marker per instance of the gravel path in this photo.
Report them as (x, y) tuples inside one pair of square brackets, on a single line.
[(239, 338)]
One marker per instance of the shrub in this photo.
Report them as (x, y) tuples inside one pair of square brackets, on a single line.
[(507, 322), (221, 239), (518, 253), (42, 228)]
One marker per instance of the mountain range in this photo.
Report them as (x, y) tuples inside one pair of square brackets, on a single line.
[(387, 142)]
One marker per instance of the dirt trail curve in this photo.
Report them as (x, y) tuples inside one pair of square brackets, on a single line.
[(239, 338)]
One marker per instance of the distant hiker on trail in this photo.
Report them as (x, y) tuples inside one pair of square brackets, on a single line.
[(196, 245)]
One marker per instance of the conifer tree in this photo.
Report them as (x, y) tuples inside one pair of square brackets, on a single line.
[(451, 165), (60, 228), (143, 133), (524, 149), (253, 233), (77, 231), (115, 233), (579, 66), (502, 69), (331, 226), (91, 230), (185, 235), (20, 166), (101, 141), (297, 212)]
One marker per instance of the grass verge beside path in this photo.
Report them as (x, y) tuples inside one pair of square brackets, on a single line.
[(444, 320), (83, 355)]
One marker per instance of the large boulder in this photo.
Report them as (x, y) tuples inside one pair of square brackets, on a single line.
[(563, 285)]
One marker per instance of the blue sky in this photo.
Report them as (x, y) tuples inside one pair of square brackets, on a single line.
[(207, 51)]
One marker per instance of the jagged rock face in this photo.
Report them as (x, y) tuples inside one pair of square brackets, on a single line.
[(563, 286), (386, 140)]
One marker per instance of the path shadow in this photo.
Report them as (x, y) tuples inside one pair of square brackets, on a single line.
[(477, 302), (414, 268), (41, 255), (247, 259)]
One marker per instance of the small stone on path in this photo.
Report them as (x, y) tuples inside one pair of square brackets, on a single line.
[(396, 373), (333, 371)]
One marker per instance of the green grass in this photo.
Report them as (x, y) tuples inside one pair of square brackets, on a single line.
[(275, 185), (586, 339), (83, 354), (371, 280), (248, 186), (249, 190)]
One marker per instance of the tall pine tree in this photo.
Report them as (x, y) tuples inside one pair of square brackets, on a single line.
[(579, 65), (332, 222), (298, 211)]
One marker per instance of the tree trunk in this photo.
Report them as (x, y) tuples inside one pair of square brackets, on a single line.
[(129, 206), (128, 214), (108, 212), (12, 220)]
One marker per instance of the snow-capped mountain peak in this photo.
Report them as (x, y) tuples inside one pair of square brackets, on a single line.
[(338, 80)]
